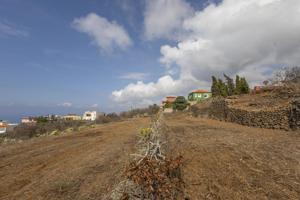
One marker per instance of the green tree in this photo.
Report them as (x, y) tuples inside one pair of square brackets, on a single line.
[(214, 87), (237, 85), (230, 85), (222, 88), (180, 103), (244, 86), (41, 119)]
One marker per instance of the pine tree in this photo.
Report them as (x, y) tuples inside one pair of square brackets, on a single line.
[(244, 86), (237, 85), (222, 88), (230, 85), (214, 87)]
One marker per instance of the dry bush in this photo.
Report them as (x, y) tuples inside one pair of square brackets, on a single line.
[(24, 131), (157, 179), (110, 117), (286, 76), (150, 110)]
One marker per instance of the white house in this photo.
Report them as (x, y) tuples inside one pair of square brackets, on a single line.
[(72, 117), (90, 115), (28, 120), (3, 127)]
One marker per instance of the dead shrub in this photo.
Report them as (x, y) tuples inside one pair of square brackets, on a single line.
[(157, 179), (24, 131)]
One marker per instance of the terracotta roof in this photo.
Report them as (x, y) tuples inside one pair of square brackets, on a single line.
[(169, 99), (200, 91)]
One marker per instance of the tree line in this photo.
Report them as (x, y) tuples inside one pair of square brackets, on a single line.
[(229, 87)]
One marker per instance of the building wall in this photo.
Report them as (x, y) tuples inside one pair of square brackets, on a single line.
[(72, 117), (199, 96), (90, 115), (28, 121)]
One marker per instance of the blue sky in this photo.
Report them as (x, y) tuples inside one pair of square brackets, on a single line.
[(51, 63)]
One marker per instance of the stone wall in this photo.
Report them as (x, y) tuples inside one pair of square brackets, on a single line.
[(275, 119), (285, 118), (295, 115)]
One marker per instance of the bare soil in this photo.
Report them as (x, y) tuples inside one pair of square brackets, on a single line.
[(84, 165), (229, 161)]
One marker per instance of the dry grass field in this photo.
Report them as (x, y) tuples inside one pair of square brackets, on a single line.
[(230, 161), (79, 166), (221, 161)]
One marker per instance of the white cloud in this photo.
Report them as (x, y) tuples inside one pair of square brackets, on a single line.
[(107, 35), (247, 37), (134, 76), (8, 29), (163, 18), (65, 104), (141, 93)]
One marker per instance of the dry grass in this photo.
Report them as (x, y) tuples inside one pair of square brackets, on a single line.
[(81, 166), (156, 179), (229, 161)]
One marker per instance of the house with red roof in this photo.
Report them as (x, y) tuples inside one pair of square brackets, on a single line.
[(169, 99), (167, 103), (199, 95)]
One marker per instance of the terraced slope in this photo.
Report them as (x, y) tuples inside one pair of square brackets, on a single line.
[(230, 161)]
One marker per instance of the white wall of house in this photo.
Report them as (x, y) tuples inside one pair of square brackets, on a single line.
[(90, 115), (27, 120)]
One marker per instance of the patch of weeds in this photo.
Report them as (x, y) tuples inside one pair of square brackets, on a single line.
[(65, 187)]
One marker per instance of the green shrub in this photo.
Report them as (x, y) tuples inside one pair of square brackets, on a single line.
[(180, 103)]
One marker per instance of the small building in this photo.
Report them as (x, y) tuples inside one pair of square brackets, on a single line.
[(167, 104), (169, 100), (3, 127), (199, 95), (72, 117), (28, 120), (90, 115)]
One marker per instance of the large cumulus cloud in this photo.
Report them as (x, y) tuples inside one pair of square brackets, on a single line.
[(247, 37)]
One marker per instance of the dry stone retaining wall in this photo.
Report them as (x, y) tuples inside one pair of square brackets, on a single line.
[(285, 118), (295, 115)]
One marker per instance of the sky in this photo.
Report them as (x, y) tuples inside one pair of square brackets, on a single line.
[(67, 56)]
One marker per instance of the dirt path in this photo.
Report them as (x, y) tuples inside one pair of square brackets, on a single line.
[(229, 161), (78, 166)]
